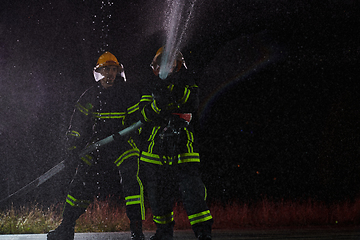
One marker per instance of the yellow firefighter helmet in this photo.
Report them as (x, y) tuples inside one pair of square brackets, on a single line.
[(108, 59)]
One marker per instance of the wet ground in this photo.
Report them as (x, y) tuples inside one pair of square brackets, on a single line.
[(298, 234)]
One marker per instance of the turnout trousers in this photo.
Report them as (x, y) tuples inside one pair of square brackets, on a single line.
[(163, 180), (83, 188)]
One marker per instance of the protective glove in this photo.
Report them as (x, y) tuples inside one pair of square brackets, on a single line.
[(160, 102), (177, 122), (74, 158), (163, 95)]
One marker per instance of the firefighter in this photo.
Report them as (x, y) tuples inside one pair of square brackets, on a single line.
[(169, 157), (102, 110)]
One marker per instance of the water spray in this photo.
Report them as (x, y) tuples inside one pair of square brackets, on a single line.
[(104, 18), (175, 30)]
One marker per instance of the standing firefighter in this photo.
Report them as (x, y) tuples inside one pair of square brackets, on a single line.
[(101, 111), (169, 157)]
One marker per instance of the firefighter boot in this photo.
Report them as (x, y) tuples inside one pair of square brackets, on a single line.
[(203, 230), (136, 230), (164, 232), (204, 237), (66, 230)]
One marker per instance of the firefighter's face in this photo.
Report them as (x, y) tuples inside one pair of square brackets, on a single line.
[(109, 73)]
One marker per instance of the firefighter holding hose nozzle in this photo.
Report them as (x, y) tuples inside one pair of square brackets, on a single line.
[(169, 157)]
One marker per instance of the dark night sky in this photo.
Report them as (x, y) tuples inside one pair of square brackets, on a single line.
[(279, 107)]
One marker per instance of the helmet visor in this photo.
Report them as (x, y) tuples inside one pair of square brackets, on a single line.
[(98, 74)]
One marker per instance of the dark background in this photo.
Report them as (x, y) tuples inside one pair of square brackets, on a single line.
[(279, 90)]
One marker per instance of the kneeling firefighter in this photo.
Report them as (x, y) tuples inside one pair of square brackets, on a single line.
[(102, 110), (170, 159)]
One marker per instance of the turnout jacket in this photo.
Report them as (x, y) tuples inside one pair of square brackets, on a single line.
[(167, 108), (99, 113)]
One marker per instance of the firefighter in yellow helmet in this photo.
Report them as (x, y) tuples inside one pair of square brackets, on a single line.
[(169, 158), (173, 60), (102, 110), (107, 68)]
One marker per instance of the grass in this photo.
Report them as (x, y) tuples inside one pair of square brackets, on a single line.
[(28, 220), (105, 216)]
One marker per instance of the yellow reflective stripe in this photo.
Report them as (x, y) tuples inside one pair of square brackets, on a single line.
[(150, 158), (188, 157), (171, 87), (133, 108), (82, 109), (190, 140), (154, 107), (77, 203), (109, 115), (87, 159), (185, 97), (126, 155), (181, 158), (151, 138), (146, 98), (132, 143), (144, 115), (205, 193), (200, 217), (131, 200), (72, 148), (142, 206), (73, 133), (168, 218)]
